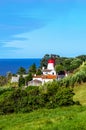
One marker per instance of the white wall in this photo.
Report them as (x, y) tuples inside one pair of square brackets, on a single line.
[(40, 79), (50, 66), (52, 72)]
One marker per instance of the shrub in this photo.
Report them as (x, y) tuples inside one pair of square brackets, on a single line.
[(21, 81), (58, 96), (32, 98)]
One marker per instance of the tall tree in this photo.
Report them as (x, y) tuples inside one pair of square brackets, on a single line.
[(38, 72), (32, 69), (21, 71), (21, 81), (44, 60)]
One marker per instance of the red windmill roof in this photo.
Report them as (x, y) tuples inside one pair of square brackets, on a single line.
[(51, 61)]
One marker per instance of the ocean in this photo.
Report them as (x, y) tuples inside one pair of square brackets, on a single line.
[(12, 65)]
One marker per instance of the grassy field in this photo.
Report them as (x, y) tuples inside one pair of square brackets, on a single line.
[(65, 118), (80, 94)]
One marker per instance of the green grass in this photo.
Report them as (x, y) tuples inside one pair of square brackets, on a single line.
[(80, 94), (65, 118)]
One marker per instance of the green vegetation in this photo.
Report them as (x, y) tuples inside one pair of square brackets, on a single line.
[(77, 77), (21, 82), (56, 105), (68, 64), (68, 118), (80, 94), (38, 72), (28, 78), (50, 95), (61, 63), (21, 71), (3, 81), (59, 68), (33, 69)]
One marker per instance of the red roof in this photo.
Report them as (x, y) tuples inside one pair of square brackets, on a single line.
[(51, 61), (50, 77), (46, 76)]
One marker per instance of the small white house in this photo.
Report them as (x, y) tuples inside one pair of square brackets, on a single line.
[(34, 83), (14, 79), (44, 78)]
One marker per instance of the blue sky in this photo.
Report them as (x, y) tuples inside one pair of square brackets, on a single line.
[(32, 28)]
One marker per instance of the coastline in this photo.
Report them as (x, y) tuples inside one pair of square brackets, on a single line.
[(12, 65)]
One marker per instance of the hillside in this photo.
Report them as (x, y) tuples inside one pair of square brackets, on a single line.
[(60, 118), (80, 93), (68, 118)]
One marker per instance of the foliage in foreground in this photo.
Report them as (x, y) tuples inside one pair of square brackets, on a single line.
[(50, 95), (64, 118)]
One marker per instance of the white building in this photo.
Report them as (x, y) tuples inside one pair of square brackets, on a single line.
[(34, 83), (41, 79), (50, 68), (14, 79), (49, 74)]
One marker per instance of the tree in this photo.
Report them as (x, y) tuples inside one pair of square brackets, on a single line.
[(75, 63), (39, 72), (60, 60), (67, 63), (3, 80), (32, 69), (21, 71), (44, 60), (28, 78), (21, 81), (59, 68), (82, 57)]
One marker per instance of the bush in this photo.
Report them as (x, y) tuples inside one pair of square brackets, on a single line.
[(32, 98), (14, 101), (57, 95), (21, 81)]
